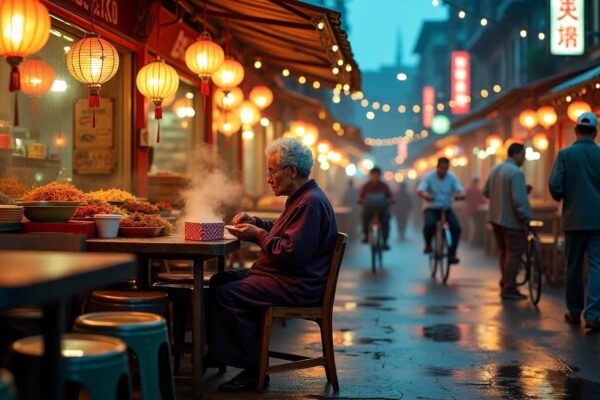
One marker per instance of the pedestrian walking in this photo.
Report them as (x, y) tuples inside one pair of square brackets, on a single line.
[(474, 198), (509, 215), (402, 209), (575, 180)]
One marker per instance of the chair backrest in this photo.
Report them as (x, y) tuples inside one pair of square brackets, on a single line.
[(334, 270), (42, 242)]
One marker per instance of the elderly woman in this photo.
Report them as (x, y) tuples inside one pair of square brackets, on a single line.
[(292, 267)]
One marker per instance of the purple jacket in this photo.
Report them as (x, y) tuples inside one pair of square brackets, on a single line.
[(297, 248)]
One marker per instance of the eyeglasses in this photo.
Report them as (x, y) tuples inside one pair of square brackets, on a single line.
[(271, 174)]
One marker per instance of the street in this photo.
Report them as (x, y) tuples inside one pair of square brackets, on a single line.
[(399, 335)]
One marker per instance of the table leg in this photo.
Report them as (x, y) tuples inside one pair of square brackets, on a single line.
[(198, 326), (143, 272), (53, 322), (221, 263)]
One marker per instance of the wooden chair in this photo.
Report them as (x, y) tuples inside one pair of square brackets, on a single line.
[(321, 315)]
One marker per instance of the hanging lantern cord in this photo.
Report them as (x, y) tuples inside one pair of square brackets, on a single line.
[(158, 102)]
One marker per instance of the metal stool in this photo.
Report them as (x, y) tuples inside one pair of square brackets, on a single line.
[(146, 335), (129, 300), (98, 363), (180, 297)]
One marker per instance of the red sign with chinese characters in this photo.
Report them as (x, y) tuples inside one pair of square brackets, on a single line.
[(174, 40), (428, 106), (567, 29), (460, 78)]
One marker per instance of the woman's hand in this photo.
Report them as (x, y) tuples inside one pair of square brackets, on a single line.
[(246, 232), (243, 218)]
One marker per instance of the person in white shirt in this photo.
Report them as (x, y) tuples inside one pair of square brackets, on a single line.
[(438, 188)]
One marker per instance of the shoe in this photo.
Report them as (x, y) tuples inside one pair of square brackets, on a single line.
[(513, 295), (243, 382), (572, 318), (453, 260), (427, 249), (386, 246), (592, 325)]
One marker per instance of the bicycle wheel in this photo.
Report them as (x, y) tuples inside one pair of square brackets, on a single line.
[(445, 257), (433, 259), (535, 272), (374, 241), (380, 249)]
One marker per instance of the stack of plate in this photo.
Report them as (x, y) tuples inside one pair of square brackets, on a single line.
[(10, 214)]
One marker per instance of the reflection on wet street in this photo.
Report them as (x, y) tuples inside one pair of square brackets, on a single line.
[(399, 335)]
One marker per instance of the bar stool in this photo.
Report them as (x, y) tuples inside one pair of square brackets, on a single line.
[(18, 323), (98, 363), (146, 335), (6, 385), (129, 300)]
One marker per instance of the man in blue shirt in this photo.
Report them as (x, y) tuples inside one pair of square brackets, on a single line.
[(438, 188), (575, 180)]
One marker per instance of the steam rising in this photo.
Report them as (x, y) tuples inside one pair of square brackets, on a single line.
[(210, 191)]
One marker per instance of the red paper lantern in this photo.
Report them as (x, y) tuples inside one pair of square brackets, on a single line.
[(37, 77)]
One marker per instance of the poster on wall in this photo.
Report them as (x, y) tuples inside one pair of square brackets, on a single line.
[(100, 136), (94, 161)]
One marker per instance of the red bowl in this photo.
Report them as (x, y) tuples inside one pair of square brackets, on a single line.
[(140, 231)]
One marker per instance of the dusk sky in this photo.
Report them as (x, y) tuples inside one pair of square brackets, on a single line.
[(374, 25)]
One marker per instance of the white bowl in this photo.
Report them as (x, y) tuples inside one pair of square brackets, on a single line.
[(107, 225)]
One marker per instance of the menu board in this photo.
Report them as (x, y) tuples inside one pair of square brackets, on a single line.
[(94, 145), (86, 135)]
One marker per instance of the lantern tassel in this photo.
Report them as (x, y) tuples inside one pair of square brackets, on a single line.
[(14, 84), (158, 112), (205, 88), (158, 131), (93, 117), (16, 109), (158, 116), (15, 79)]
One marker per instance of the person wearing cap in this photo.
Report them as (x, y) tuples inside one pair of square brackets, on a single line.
[(575, 180), (375, 197)]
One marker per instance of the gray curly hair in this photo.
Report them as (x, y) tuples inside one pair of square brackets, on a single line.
[(290, 151)]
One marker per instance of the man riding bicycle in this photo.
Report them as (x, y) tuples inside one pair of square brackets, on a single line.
[(438, 188), (375, 197)]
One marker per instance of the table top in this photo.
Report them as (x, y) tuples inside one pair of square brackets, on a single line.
[(167, 245), (37, 277)]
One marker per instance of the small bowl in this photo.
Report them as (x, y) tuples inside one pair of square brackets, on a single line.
[(140, 231), (107, 225), (49, 213)]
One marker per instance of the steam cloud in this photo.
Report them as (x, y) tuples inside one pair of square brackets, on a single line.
[(210, 191)]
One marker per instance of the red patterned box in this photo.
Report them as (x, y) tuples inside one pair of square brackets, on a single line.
[(204, 231)]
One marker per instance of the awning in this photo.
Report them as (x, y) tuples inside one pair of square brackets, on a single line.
[(573, 84), (314, 111), (283, 34), (519, 97)]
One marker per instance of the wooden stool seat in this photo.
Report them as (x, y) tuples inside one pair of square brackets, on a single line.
[(323, 316), (181, 277), (129, 300)]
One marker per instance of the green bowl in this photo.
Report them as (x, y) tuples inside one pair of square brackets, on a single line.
[(49, 213)]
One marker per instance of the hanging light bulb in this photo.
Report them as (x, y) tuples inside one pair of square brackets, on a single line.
[(577, 108), (262, 96), (93, 61), (249, 113), (25, 28), (230, 100), (528, 119), (157, 81), (203, 58), (546, 116), (229, 75), (37, 77)]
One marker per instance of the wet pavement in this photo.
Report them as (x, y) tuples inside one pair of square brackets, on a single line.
[(400, 335)]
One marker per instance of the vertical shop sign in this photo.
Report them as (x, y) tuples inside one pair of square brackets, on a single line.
[(428, 106), (567, 32), (460, 71)]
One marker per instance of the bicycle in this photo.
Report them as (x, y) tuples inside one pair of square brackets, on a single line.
[(440, 245), (530, 270), (375, 239)]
